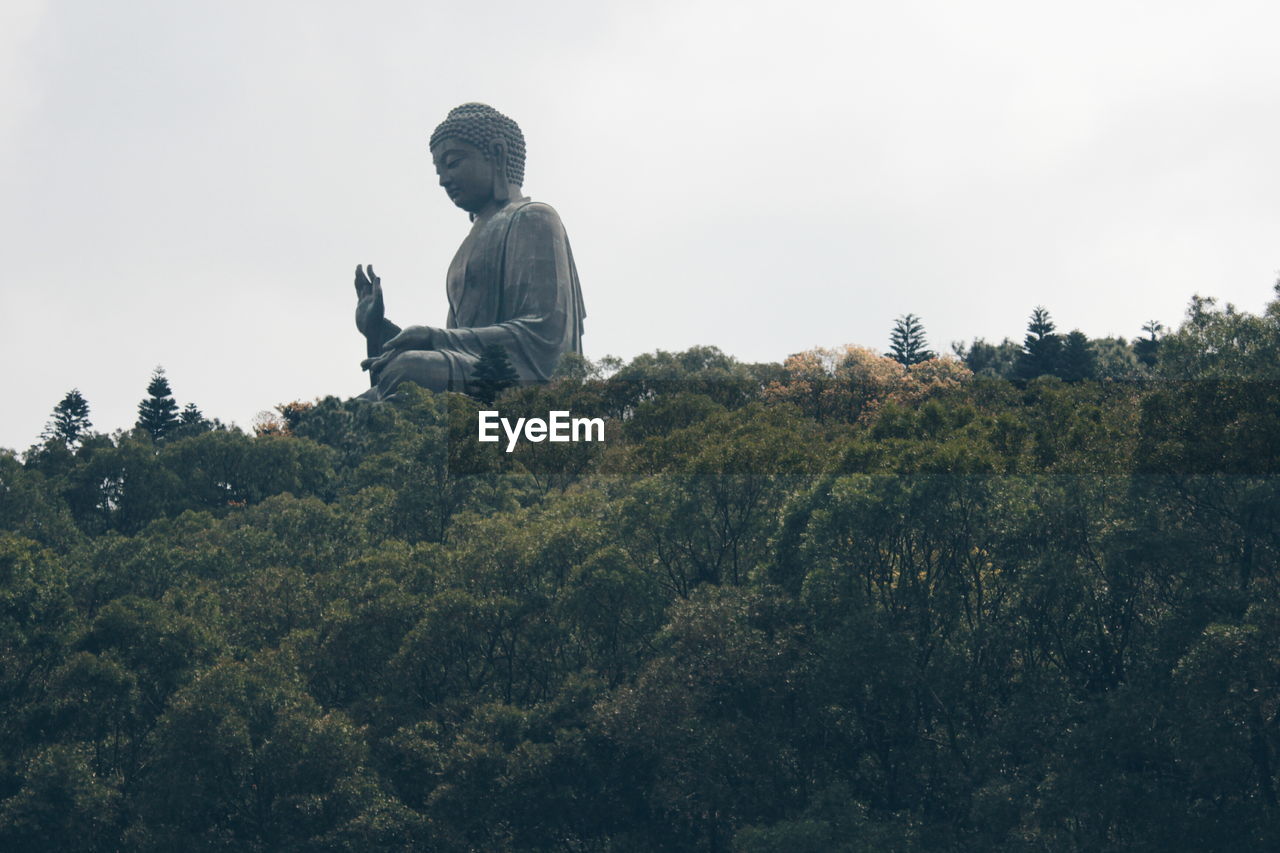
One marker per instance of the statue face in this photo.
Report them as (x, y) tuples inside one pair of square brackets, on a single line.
[(465, 173)]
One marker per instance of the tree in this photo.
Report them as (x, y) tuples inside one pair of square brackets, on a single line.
[(192, 416), (158, 414), (1041, 349), (1078, 360), (493, 374), (1146, 348), (191, 421), (986, 359), (907, 342), (1115, 359), (70, 420), (1223, 342), (842, 383)]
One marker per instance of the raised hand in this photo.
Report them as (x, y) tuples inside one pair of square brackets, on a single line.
[(370, 310)]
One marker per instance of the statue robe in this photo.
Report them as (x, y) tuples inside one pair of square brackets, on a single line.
[(512, 282)]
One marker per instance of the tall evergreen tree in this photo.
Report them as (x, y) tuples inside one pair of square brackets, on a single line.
[(1079, 360), (907, 344), (158, 414), (191, 421), (493, 374), (70, 419), (191, 416), (1041, 349)]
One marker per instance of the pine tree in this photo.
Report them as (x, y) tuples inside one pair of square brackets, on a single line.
[(191, 416), (1041, 349), (493, 374), (70, 420), (907, 344), (191, 421), (1079, 360), (158, 414)]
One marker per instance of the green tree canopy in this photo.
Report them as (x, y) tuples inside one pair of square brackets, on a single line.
[(1078, 359), (834, 604)]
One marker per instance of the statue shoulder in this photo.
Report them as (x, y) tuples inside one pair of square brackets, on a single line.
[(530, 209), (535, 216)]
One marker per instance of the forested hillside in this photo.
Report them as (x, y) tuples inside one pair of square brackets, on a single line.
[(846, 603)]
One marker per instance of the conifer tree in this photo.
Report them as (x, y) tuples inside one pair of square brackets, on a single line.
[(191, 421), (158, 414), (70, 419), (1041, 349), (907, 344), (191, 416), (493, 374), (1079, 360)]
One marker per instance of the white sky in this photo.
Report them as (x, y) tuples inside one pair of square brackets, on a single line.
[(191, 185)]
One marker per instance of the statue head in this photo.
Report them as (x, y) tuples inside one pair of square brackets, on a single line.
[(479, 156)]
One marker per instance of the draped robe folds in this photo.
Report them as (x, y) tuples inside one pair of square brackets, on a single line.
[(512, 282)]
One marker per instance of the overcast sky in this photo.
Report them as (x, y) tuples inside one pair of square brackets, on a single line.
[(190, 185)]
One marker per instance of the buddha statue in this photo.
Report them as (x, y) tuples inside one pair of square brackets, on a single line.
[(512, 282)]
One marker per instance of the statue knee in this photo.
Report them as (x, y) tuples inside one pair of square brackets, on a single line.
[(426, 368)]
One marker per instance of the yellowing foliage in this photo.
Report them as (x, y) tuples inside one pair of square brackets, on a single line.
[(852, 382)]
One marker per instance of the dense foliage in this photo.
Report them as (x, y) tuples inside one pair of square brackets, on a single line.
[(839, 604)]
